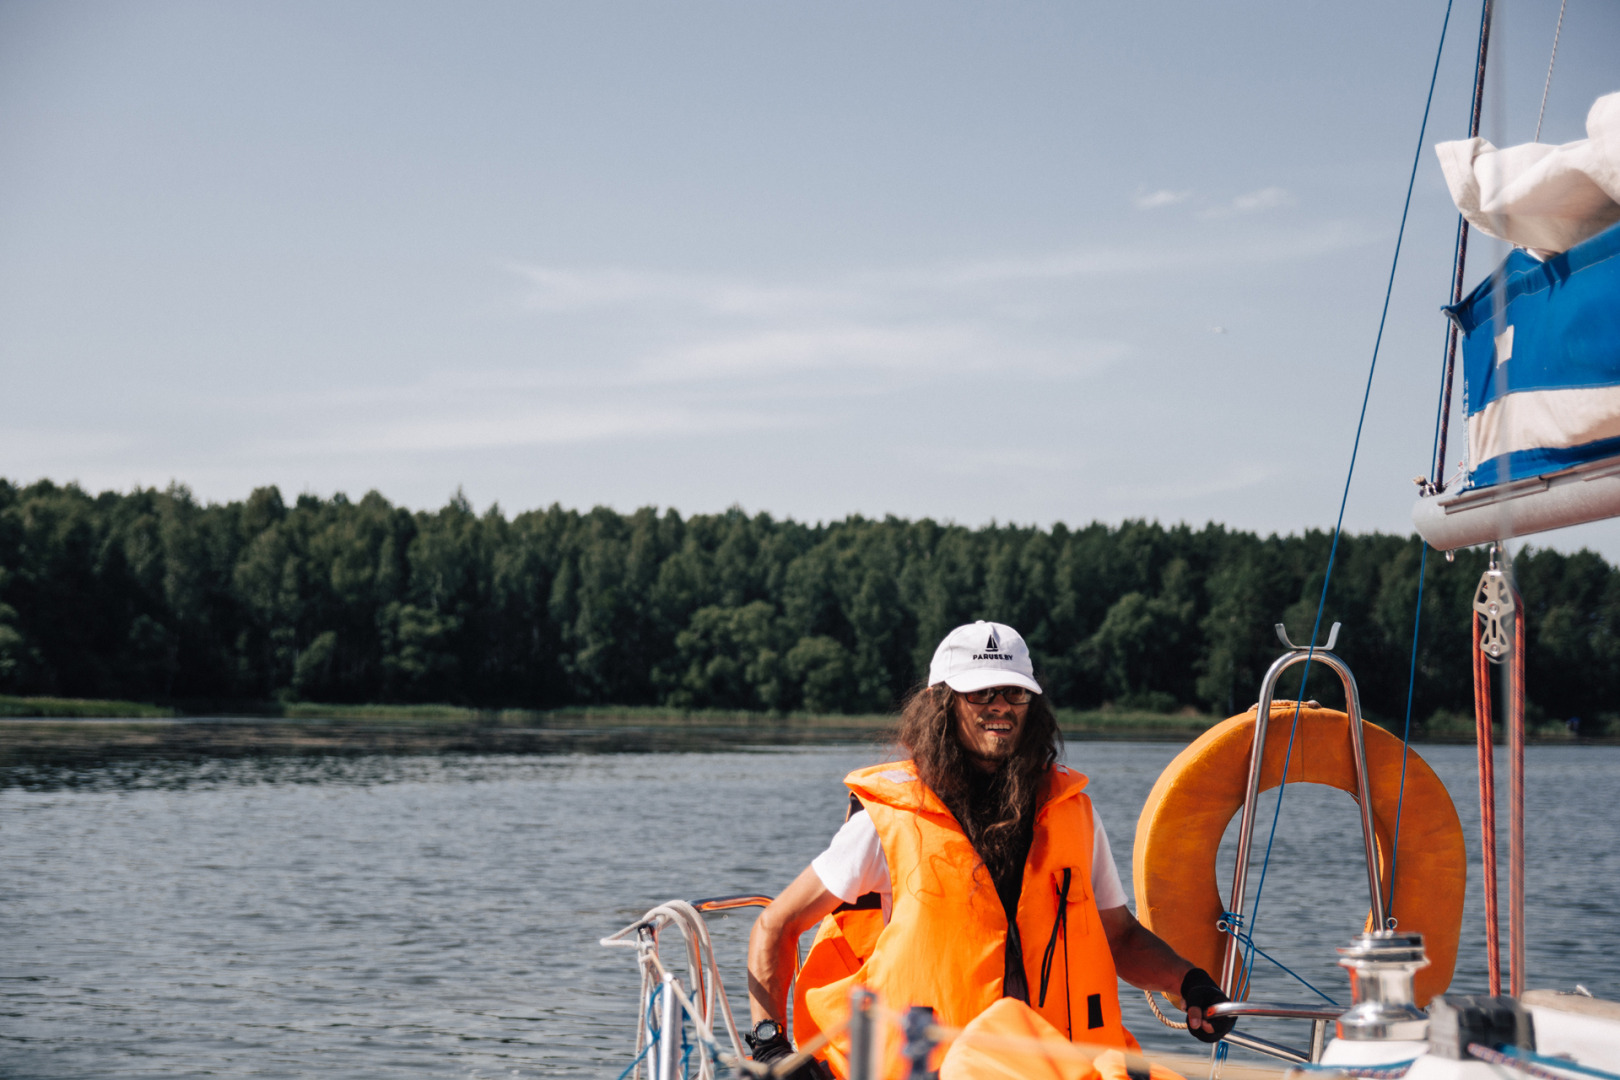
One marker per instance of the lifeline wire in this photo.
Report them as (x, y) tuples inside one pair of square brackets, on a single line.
[(1338, 526), (1234, 924)]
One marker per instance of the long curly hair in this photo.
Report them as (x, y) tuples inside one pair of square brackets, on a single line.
[(927, 730)]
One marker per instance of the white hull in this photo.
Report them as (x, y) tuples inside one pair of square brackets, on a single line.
[(1581, 1030)]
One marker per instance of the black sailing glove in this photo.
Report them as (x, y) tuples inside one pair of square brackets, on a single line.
[(1200, 991), (769, 1051)]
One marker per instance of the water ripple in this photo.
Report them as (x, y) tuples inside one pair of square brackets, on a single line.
[(393, 917)]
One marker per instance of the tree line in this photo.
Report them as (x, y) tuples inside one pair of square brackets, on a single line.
[(154, 596)]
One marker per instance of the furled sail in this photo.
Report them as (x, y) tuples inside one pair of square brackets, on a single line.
[(1543, 198)]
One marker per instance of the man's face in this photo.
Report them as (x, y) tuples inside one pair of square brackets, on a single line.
[(989, 732)]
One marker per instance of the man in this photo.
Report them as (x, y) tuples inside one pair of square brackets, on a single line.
[(974, 871)]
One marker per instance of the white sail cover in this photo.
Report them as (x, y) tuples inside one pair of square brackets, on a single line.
[(1543, 198)]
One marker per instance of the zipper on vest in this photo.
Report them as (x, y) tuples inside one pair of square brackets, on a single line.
[(1060, 925)]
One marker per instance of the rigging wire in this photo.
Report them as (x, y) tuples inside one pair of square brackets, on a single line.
[(1411, 672), (1338, 527), (1437, 481), (1406, 736), (1550, 61)]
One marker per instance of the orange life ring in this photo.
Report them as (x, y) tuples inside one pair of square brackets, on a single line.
[(1200, 792)]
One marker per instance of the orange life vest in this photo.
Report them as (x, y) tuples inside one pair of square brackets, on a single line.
[(944, 944)]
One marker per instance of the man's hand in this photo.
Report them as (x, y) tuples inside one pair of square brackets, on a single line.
[(773, 944), (1198, 993), (1143, 959), (772, 1050)]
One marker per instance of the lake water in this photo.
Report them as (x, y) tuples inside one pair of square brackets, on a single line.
[(396, 916)]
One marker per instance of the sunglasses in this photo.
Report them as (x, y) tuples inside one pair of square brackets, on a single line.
[(1012, 695)]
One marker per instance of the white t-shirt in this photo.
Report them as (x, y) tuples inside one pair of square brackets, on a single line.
[(854, 865)]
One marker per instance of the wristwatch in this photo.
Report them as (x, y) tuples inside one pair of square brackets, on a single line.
[(765, 1031)]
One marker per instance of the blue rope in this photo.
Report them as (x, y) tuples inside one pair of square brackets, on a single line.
[(1338, 525), (1390, 1070), (686, 1043), (1406, 735), (637, 1061), (1417, 615), (1554, 1062), (652, 1013), (1234, 924), (651, 1042)]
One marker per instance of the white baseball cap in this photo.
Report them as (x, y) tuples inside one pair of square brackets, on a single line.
[(980, 655)]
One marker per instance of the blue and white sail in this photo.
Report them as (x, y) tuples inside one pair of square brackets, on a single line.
[(1540, 340), (1541, 362), (1541, 370)]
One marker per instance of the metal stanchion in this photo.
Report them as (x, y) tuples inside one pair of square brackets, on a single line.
[(919, 1043), (863, 1035), (667, 1062)]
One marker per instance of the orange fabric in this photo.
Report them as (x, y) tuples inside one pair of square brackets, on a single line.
[(1011, 1041), (944, 945), (842, 943), (1199, 792)]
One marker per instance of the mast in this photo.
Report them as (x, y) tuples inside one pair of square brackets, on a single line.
[(1437, 478)]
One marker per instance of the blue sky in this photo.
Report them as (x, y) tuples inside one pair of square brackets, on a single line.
[(1022, 262)]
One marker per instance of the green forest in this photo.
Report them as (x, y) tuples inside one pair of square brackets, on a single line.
[(154, 596)]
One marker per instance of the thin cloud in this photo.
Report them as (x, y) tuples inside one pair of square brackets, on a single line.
[(519, 427), (1254, 250), (799, 349), (1154, 200), (1253, 202), (557, 289), (622, 353), (999, 462), (1238, 477), (20, 447), (1264, 199), (866, 353)]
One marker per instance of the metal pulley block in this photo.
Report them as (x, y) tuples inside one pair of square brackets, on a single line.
[(1493, 601)]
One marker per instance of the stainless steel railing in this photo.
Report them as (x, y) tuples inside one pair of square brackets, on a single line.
[(1319, 1015), (1298, 654)]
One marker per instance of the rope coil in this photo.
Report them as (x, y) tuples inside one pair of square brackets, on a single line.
[(1153, 1003)]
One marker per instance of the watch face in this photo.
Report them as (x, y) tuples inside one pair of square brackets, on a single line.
[(766, 1030)]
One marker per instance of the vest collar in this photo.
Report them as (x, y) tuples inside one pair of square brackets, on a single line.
[(1061, 783), (895, 784)]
